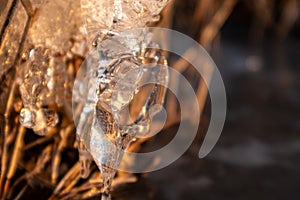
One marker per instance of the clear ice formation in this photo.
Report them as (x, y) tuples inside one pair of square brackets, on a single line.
[(115, 89), (42, 85), (55, 23), (119, 15), (120, 82), (43, 78)]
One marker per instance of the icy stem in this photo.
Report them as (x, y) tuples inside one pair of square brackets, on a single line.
[(116, 88), (42, 84)]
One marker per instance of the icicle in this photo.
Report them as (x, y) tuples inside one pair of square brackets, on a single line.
[(113, 76)]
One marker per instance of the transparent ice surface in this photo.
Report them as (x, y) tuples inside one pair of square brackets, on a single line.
[(119, 15), (55, 23), (109, 90), (42, 84), (113, 93)]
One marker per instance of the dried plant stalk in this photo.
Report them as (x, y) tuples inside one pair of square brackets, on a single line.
[(69, 179), (65, 135), (42, 140), (15, 158), (5, 156), (212, 29), (290, 14)]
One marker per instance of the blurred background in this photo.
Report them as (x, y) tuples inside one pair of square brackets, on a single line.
[(256, 46)]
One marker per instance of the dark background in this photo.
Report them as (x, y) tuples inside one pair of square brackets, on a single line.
[(258, 154)]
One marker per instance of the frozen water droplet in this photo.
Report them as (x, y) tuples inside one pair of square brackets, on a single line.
[(39, 120), (27, 117), (43, 83)]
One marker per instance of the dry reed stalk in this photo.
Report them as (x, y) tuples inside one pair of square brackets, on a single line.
[(289, 16), (5, 156), (43, 160), (166, 22), (65, 135), (86, 187), (14, 159), (28, 7), (180, 66), (21, 193), (12, 135), (71, 176), (40, 165), (31, 176), (211, 30), (70, 186), (40, 141), (208, 34)]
